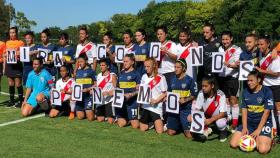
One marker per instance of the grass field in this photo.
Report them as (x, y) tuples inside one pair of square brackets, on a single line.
[(45, 137)]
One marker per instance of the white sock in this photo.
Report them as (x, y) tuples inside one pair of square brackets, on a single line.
[(235, 114), (72, 106)]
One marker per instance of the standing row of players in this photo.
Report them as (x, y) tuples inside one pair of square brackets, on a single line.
[(170, 74)]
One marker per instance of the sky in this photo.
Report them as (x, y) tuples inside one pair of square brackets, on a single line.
[(64, 13)]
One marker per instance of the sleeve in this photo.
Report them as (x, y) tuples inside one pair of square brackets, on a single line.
[(241, 57), (173, 49), (275, 67), (57, 85), (193, 88), (49, 79), (269, 103), (148, 49), (72, 53), (163, 84), (199, 101), (93, 75), (29, 81), (138, 78), (237, 54), (223, 103), (243, 102)]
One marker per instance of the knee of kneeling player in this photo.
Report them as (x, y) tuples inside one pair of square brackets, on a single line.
[(263, 149), (221, 124)]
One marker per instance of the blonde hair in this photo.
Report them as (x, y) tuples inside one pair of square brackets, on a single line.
[(154, 65)]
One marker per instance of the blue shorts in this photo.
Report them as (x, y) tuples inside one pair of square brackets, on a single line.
[(85, 104), (32, 98), (179, 122), (129, 110), (266, 131)]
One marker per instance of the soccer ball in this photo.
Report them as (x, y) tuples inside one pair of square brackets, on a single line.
[(247, 143)]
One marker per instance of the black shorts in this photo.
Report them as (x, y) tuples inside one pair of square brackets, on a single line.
[(276, 92), (14, 70), (1, 69), (64, 108), (149, 116), (229, 85), (105, 110)]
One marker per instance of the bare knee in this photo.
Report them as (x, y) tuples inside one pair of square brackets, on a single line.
[(40, 98), (100, 119), (171, 132), (135, 124), (80, 116), (110, 120), (121, 122), (263, 149)]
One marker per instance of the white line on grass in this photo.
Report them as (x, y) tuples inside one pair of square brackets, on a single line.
[(4, 93), (22, 120)]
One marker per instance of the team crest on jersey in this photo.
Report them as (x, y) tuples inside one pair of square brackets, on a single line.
[(129, 77), (42, 79), (172, 85), (217, 44), (184, 85), (143, 51), (259, 100), (85, 75)]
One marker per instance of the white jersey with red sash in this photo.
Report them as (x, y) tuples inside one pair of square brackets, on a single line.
[(158, 85), (211, 106), (129, 49), (166, 63), (89, 49), (184, 53), (232, 55), (66, 86), (105, 83), (267, 63)]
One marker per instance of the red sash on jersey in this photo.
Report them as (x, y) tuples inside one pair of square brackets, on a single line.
[(66, 88), (168, 46), (268, 60), (154, 81), (86, 48), (130, 49), (229, 54), (212, 107), (186, 52), (103, 83)]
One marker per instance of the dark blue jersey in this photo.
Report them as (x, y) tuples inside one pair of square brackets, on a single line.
[(86, 77), (245, 55), (185, 87), (141, 53), (256, 103), (128, 81), (113, 66), (68, 52), (49, 67)]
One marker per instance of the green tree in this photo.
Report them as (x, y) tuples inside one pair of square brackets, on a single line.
[(170, 14), (7, 14), (23, 23), (200, 12), (242, 17), (122, 22)]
